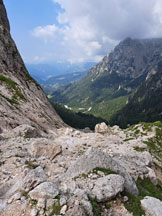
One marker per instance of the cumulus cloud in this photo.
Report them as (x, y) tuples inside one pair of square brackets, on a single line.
[(91, 28), (45, 32)]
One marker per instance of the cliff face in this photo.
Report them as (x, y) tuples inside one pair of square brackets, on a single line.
[(22, 100)]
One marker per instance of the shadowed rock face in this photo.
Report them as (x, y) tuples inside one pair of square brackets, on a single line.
[(3, 16), (22, 100)]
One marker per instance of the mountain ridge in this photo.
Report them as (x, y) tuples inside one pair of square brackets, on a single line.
[(116, 77), (22, 100)]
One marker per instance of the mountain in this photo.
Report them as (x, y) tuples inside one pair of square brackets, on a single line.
[(55, 82), (22, 100), (146, 104), (42, 72), (107, 86)]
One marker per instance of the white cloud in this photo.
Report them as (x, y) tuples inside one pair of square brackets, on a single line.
[(91, 28), (45, 32)]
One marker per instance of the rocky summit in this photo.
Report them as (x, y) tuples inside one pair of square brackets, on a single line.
[(49, 169)]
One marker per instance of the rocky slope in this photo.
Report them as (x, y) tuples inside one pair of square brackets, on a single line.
[(110, 172), (146, 104), (107, 86), (21, 98)]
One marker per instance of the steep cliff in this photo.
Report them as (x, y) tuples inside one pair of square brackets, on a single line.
[(22, 100)]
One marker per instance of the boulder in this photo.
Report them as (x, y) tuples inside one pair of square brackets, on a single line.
[(34, 178), (152, 206), (152, 176), (96, 158), (44, 147), (102, 129), (106, 188), (11, 187), (46, 190), (23, 131), (76, 210)]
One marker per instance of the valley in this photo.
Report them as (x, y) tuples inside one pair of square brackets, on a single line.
[(55, 161)]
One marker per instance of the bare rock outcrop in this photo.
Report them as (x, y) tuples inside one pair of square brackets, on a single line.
[(96, 158), (22, 101)]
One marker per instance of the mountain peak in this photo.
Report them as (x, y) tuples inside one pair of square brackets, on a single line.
[(3, 16)]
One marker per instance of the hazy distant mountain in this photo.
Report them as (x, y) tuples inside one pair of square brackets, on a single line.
[(107, 86), (42, 72)]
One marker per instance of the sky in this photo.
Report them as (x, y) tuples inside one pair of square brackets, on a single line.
[(47, 31)]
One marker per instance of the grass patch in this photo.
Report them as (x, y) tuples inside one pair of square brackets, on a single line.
[(126, 140), (97, 210), (136, 148), (104, 170), (108, 205), (31, 165), (13, 86), (25, 194), (56, 208), (146, 188)]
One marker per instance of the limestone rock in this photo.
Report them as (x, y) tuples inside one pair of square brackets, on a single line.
[(96, 158), (3, 204), (152, 206), (34, 178), (45, 190), (63, 209), (106, 188), (23, 102), (24, 131), (152, 176), (76, 210), (102, 128), (42, 147)]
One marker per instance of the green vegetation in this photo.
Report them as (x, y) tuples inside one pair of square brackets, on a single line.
[(146, 188), (31, 165), (108, 205), (139, 149), (25, 194), (77, 120), (104, 170), (29, 78), (97, 210), (17, 94), (56, 208), (107, 109), (126, 140)]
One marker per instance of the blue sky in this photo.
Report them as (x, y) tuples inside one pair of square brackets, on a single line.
[(79, 31)]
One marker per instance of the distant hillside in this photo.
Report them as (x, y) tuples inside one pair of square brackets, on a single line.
[(146, 103), (77, 120), (55, 82), (107, 86)]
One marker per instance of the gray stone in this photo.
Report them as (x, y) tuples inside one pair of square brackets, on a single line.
[(44, 148), (34, 212), (3, 204), (96, 158), (152, 176), (152, 206), (87, 206), (63, 210), (33, 178), (76, 210), (102, 128), (106, 188), (45, 190), (25, 131)]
